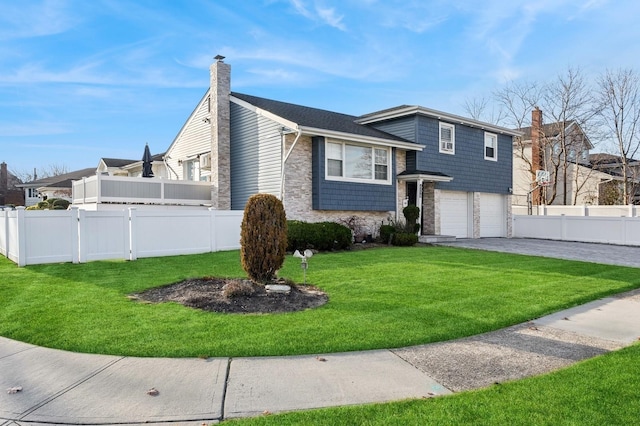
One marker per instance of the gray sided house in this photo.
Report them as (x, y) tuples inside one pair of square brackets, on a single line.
[(326, 165)]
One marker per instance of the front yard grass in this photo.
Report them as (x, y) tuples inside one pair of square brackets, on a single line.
[(381, 298), (599, 391)]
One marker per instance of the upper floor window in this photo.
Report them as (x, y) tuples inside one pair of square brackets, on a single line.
[(447, 138), (357, 163), (490, 146)]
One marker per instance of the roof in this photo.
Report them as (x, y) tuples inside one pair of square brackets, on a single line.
[(317, 118), (408, 110), (426, 175), (60, 181), (117, 162), (603, 159), (549, 130), (120, 162)]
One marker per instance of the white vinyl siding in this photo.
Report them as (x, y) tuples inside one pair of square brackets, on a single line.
[(447, 138), (255, 167), (490, 146), (194, 139), (357, 163)]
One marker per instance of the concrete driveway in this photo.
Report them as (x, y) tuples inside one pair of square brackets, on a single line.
[(587, 252)]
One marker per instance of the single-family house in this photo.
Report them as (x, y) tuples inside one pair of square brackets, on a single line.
[(58, 186), (561, 149), (327, 165), (612, 192)]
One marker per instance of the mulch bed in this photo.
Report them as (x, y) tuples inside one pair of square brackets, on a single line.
[(208, 294)]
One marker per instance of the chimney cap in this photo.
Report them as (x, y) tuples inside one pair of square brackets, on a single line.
[(219, 58)]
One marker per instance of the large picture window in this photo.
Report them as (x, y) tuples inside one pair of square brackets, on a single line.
[(357, 163)]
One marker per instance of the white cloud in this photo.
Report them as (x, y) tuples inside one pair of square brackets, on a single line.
[(319, 13), (26, 20)]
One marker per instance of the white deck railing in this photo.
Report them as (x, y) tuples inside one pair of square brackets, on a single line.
[(136, 190)]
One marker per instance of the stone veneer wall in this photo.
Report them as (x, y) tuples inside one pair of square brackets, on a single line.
[(476, 215), (428, 226), (220, 81), (436, 212), (298, 192)]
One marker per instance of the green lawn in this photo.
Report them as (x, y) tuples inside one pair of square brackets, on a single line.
[(599, 391), (382, 298)]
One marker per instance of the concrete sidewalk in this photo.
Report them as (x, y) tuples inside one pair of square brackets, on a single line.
[(58, 387)]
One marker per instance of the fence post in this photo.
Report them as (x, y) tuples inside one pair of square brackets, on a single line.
[(75, 234), (133, 247), (5, 219), (213, 237), (631, 210), (563, 227), (21, 236), (585, 210), (82, 235)]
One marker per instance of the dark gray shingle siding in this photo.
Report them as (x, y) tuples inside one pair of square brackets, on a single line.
[(335, 195)]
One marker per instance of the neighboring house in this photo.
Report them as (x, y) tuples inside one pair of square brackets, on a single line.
[(132, 168), (562, 149), (9, 193), (612, 164), (53, 187), (330, 166)]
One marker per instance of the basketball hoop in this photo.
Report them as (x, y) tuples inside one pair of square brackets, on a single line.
[(543, 177), (544, 183)]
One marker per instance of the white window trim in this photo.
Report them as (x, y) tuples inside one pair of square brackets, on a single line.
[(442, 150), (373, 180), (488, 135)]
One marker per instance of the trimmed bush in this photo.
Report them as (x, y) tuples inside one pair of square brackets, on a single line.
[(411, 214), (263, 237), (60, 204), (404, 239), (321, 236), (386, 231)]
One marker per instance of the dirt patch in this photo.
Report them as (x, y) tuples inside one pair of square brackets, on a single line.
[(208, 294)]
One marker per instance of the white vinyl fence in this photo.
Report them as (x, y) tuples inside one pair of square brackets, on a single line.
[(608, 211), (29, 237), (610, 230)]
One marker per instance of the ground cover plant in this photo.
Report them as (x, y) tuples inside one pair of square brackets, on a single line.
[(380, 298), (599, 391)]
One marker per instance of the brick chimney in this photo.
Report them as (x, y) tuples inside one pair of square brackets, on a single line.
[(4, 178), (220, 93), (536, 152)]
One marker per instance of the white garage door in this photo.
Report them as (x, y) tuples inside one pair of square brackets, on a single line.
[(493, 215), (454, 214)]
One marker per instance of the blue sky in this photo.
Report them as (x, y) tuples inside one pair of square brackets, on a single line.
[(81, 80)]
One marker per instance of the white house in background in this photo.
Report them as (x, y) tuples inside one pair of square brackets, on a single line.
[(53, 187), (540, 148)]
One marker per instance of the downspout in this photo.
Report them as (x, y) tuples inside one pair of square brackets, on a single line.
[(164, 160), (285, 157)]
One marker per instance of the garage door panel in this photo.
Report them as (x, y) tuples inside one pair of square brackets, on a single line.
[(492, 215), (454, 214)]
